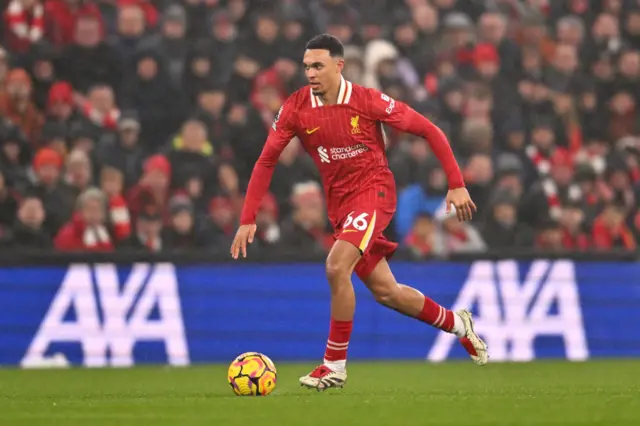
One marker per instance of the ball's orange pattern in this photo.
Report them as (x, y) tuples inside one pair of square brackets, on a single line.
[(252, 374)]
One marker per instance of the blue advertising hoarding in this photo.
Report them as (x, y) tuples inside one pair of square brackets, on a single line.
[(121, 315)]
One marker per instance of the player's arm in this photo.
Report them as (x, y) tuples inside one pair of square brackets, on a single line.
[(404, 118), (280, 134)]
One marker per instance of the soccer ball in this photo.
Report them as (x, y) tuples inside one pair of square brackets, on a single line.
[(252, 374)]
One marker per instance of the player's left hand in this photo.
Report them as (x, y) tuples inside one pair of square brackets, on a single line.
[(244, 236), (461, 200)]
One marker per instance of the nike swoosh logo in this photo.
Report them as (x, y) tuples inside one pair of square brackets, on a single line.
[(349, 230), (312, 130)]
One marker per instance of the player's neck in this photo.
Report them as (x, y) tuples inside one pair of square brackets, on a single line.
[(331, 96)]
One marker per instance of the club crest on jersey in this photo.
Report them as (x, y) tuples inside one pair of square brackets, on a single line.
[(355, 126)]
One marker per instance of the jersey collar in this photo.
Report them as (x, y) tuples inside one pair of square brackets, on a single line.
[(344, 94)]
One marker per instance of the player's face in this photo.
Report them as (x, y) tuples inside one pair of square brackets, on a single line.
[(322, 71)]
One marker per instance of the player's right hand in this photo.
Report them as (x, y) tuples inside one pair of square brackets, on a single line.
[(243, 237), (461, 200)]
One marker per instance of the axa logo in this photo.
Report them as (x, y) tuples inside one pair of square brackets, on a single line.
[(324, 155), (513, 310), (112, 317)]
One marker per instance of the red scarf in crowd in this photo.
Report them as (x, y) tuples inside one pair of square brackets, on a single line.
[(25, 24), (540, 161), (550, 189), (120, 218)]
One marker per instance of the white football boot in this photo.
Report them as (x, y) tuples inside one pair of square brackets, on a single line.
[(473, 344), (322, 378)]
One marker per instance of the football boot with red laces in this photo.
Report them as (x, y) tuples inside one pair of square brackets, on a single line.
[(323, 378)]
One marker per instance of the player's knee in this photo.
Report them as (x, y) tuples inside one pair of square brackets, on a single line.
[(337, 272), (385, 295)]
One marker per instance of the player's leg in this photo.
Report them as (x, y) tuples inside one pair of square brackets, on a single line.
[(339, 268), (411, 302), (342, 258)]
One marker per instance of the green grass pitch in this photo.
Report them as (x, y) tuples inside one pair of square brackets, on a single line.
[(389, 394)]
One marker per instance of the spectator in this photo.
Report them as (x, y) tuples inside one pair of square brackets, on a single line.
[(572, 222), (623, 115), (82, 137), (78, 171), (198, 14), (57, 197), (421, 238), (182, 233), (171, 43), (147, 229), (245, 127), (223, 220), (87, 60), (16, 105), (62, 16), (87, 230), (306, 229), (292, 167), (199, 71), (502, 227), (148, 10), (426, 196), (544, 201), (112, 184), (492, 28), (265, 41), (293, 31), (550, 237), (268, 233), (130, 31), (41, 66), (408, 160), (150, 91), (152, 188), (99, 108), (190, 152), (60, 106), (453, 236), (478, 173), (245, 69), (28, 231), (211, 110), (122, 149), (224, 45), (15, 156), (229, 187)]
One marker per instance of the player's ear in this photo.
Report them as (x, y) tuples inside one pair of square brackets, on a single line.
[(339, 64)]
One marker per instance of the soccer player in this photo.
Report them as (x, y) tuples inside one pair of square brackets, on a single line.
[(339, 124)]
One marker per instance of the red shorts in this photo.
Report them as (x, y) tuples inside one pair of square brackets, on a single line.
[(363, 227)]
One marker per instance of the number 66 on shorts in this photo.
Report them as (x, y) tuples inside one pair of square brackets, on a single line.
[(358, 228)]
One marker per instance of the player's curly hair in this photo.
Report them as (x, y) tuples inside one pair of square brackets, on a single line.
[(327, 42)]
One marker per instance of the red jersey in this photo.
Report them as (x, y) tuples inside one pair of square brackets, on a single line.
[(347, 143)]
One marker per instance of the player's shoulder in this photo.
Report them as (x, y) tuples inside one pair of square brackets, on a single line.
[(289, 109), (362, 95), (360, 92), (300, 98)]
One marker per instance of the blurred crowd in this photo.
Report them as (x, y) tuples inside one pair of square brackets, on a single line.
[(135, 123)]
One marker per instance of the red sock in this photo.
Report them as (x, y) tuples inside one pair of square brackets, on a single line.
[(338, 343), (435, 315)]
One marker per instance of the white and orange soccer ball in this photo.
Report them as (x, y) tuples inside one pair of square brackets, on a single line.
[(252, 374)]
